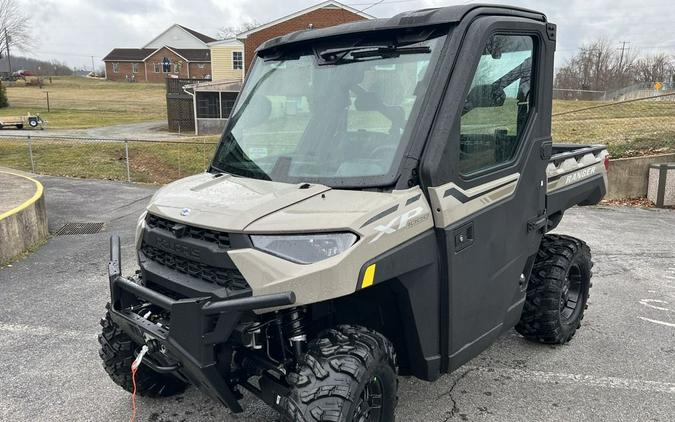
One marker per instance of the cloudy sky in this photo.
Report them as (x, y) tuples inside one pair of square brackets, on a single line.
[(74, 30)]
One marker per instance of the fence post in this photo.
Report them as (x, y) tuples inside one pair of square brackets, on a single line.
[(179, 169), (30, 153), (126, 153), (204, 151)]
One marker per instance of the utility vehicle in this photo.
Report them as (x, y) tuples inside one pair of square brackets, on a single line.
[(378, 205), (20, 121)]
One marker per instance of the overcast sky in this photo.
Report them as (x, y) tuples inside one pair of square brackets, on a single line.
[(74, 30)]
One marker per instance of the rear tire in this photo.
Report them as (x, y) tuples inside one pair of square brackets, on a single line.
[(117, 352), (557, 292), (348, 374), (19, 127)]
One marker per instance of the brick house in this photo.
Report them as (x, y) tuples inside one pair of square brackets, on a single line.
[(322, 15), (178, 52)]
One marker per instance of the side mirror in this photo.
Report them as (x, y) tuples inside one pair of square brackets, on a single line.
[(484, 96), (368, 101)]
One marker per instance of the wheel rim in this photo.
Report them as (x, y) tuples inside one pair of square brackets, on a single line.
[(369, 405), (570, 297)]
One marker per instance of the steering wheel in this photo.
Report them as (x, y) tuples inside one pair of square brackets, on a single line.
[(381, 150)]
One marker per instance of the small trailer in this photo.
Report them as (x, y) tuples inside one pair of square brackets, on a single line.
[(20, 121)]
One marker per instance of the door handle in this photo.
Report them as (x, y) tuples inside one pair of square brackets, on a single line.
[(463, 236)]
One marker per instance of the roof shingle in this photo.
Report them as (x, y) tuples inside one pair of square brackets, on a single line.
[(202, 37), (139, 54)]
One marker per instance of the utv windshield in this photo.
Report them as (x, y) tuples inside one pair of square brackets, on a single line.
[(338, 116)]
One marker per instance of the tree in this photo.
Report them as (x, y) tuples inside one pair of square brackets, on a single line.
[(600, 66), (232, 31), (15, 24), (4, 102), (657, 68)]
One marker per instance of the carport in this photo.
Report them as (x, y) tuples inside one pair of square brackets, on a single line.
[(212, 102)]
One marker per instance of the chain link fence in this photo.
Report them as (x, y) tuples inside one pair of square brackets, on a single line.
[(632, 127), (111, 159)]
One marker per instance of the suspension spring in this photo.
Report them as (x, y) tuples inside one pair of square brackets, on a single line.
[(294, 327)]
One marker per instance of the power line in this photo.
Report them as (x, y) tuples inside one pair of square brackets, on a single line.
[(373, 4)]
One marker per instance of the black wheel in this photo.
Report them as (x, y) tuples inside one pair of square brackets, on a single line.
[(557, 293), (117, 352), (19, 126), (33, 123), (348, 374)]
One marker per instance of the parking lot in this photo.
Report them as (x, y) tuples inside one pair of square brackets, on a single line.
[(620, 365)]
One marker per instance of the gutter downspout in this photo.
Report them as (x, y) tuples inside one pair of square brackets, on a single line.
[(193, 94)]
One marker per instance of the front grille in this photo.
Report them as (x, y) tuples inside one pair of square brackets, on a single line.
[(211, 236), (230, 278)]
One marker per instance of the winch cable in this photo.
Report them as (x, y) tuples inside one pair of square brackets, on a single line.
[(134, 368)]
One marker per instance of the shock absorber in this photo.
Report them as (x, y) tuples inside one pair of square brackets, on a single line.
[(294, 327)]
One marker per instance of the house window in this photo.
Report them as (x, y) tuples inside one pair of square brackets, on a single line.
[(116, 68), (134, 67), (158, 67), (237, 60), (177, 67)]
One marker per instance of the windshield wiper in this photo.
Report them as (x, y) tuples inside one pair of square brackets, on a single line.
[(336, 55)]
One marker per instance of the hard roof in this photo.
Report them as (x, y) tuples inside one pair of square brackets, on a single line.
[(415, 18)]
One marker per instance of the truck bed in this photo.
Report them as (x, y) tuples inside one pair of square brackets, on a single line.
[(576, 175)]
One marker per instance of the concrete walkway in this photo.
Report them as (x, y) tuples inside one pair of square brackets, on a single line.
[(619, 367), (14, 191)]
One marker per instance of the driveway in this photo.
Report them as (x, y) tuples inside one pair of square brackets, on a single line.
[(620, 366), (153, 130)]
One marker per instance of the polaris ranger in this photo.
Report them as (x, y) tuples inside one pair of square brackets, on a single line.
[(378, 205)]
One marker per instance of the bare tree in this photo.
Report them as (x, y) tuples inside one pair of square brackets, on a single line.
[(657, 68), (14, 26), (599, 66), (232, 31)]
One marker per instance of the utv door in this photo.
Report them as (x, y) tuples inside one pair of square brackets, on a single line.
[(484, 167)]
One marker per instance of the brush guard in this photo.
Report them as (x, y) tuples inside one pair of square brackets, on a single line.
[(197, 326)]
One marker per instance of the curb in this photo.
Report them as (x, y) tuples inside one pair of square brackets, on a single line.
[(24, 225)]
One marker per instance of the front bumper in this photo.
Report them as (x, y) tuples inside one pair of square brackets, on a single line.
[(197, 326)]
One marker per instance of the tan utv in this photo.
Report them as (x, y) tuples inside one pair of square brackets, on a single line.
[(378, 206)]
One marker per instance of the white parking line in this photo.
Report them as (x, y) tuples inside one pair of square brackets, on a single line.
[(656, 321), (44, 331), (523, 375)]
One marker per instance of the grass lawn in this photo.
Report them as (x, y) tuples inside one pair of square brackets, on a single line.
[(79, 103), (150, 162)]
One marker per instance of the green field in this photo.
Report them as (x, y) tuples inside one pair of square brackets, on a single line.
[(149, 162), (79, 103)]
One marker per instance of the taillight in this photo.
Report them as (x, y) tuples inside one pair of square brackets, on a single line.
[(606, 162)]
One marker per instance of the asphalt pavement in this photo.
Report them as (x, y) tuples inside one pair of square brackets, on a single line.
[(619, 367)]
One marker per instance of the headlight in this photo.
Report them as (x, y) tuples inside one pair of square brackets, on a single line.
[(304, 249)]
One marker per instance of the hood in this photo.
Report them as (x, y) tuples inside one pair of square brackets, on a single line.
[(227, 203)]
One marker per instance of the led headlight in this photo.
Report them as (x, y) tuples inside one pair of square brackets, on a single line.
[(304, 249)]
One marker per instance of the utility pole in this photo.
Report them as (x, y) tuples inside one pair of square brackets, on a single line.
[(93, 70), (623, 49), (9, 60)]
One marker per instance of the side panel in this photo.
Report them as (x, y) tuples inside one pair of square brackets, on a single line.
[(486, 220), (402, 302)]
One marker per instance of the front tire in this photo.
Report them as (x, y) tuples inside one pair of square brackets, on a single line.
[(557, 292), (348, 374), (117, 352)]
